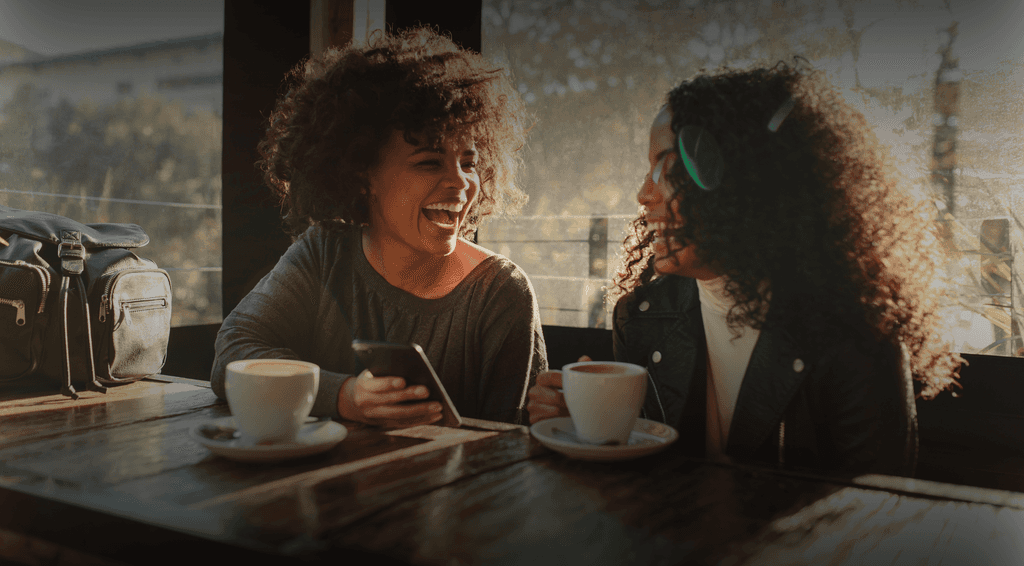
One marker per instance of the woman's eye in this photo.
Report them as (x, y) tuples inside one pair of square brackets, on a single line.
[(469, 165), (430, 163)]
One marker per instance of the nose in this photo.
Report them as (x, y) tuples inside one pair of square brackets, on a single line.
[(649, 193), (456, 178)]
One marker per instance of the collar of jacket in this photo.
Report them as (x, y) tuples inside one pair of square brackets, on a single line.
[(778, 364)]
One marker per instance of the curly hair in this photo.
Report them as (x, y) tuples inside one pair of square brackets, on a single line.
[(326, 131), (808, 216)]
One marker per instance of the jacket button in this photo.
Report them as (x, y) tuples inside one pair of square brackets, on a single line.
[(644, 306), (656, 356), (798, 365)]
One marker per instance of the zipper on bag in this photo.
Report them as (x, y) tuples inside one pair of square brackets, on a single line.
[(19, 305), (138, 305), (44, 280), (107, 306)]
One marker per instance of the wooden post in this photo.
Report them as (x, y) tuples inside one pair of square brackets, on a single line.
[(598, 246), (333, 23), (997, 282), (947, 94)]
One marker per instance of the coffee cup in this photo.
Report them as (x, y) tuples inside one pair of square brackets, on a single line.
[(271, 398), (604, 399)]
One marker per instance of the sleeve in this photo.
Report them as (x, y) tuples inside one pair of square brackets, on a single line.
[(276, 320), (513, 349)]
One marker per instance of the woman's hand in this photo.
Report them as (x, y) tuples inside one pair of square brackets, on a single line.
[(546, 399), (375, 400)]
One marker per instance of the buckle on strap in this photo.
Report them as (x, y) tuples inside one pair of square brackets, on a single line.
[(71, 252)]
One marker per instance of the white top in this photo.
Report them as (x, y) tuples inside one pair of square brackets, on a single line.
[(728, 358)]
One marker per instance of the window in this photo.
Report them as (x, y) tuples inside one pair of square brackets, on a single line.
[(933, 77), (77, 138)]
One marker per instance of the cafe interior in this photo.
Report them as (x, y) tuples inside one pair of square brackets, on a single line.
[(118, 478)]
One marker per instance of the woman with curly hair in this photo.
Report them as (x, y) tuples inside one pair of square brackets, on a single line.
[(780, 289), (386, 157)]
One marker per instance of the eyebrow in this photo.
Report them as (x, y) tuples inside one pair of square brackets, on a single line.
[(425, 149), (419, 150)]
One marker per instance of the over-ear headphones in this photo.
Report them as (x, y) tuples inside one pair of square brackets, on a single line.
[(702, 156)]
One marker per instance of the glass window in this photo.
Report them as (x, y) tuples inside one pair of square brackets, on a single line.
[(940, 81), (111, 112)]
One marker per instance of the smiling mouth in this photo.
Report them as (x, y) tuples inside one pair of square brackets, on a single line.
[(444, 215), (659, 229)]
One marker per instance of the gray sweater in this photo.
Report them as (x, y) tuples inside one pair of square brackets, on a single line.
[(484, 338)]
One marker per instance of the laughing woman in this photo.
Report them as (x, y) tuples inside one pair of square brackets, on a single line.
[(779, 287), (386, 157)]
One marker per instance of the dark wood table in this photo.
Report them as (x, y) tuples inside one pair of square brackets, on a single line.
[(116, 478)]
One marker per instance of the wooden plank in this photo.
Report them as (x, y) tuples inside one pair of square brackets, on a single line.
[(854, 526), (437, 437), (32, 397), (294, 514), (943, 490), (105, 445), (162, 378), (25, 421), (201, 475), (655, 510), (32, 551)]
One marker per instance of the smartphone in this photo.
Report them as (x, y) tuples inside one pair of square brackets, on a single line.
[(409, 362)]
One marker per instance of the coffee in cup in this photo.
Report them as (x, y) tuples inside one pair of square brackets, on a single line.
[(271, 398), (604, 399)]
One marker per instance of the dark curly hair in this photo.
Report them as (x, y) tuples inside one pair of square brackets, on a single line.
[(813, 210), (326, 131)]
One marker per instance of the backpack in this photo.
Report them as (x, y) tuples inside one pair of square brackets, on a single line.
[(77, 305)]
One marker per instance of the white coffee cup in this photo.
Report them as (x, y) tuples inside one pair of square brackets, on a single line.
[(270, 399), (604, 399)]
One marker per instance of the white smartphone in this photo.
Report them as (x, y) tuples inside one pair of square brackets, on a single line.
[(409, 362)]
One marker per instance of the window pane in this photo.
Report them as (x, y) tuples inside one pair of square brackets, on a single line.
[(595, 74), (112, 113)]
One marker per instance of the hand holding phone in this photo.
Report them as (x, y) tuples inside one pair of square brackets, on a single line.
[(386, 401), (401, 364)]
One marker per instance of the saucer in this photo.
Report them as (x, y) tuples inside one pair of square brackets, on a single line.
[(221, 437), (647, 437)]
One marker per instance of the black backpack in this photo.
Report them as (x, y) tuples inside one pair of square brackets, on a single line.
[(77, 305)]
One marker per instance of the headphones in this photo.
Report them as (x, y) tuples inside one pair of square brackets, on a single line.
[(702, 156)]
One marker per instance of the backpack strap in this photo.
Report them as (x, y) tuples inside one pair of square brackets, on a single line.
[(71, 253)]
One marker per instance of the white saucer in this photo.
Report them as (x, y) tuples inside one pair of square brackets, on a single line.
[(647, 437), (221, 437)]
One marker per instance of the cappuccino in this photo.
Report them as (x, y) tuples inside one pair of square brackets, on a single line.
[(598, 368), (604, 399)]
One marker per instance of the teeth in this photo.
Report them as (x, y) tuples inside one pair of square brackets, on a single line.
[(453, 207), (660, 226)]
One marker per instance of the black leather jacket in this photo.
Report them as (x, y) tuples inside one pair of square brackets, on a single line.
[(848, 409)]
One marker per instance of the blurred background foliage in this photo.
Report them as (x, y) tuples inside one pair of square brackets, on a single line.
[(142, 160)]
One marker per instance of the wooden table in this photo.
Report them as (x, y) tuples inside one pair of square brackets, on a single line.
[(116, 478)]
